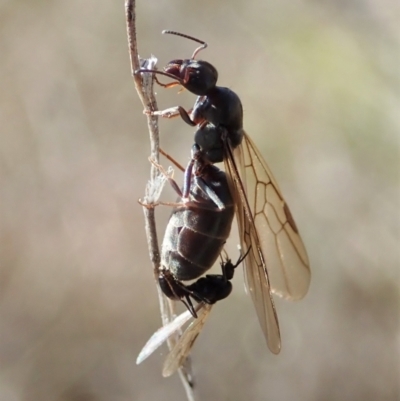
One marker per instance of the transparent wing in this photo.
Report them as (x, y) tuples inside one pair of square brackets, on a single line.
[(258, 285), (284, 253), (277, 261), (182, 348), (162, 335)]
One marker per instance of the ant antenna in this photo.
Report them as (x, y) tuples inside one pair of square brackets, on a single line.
[(197, 50)]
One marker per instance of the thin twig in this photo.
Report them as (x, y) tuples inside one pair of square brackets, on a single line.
[(144, 88)]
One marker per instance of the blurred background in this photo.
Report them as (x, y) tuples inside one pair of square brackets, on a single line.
[(319, 81)]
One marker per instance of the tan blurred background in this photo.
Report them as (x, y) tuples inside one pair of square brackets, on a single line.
[(320, 86)]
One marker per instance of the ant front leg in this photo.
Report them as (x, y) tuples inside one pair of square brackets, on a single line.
[(172, 182), (171, 113), (184, 195), (201, 110), (158, 185)]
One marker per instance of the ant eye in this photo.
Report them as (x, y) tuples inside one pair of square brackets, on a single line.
[(193, 71)]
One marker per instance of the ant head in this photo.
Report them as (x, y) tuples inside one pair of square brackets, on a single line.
[(197, 76)]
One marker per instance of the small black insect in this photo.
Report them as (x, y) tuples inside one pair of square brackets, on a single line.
[(218, 284), (277, 261)]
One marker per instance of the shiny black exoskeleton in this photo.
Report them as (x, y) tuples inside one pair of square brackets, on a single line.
[(209, 289), (198, 229), (195, 235), (218, 110)]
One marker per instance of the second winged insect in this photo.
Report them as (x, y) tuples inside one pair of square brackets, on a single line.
[(183, 346)]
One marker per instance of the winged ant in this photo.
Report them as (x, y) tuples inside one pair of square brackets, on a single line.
[(277, 262), (183, 346)]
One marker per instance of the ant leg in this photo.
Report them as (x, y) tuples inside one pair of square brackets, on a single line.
[(184, 194), (228, 268), (210, 193), (169, 85), (185, 117), (154, 204), (188, 179), (214, 287), (197, 155), (174, 289), (171, 113), (173, 183), (189, 305), (171, 159), (167, 113)]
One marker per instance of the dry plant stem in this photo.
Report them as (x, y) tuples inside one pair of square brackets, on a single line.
[(144, 88)]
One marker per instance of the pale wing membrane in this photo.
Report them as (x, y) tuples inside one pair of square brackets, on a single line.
[(256, 275), (259, 287), (182, 348), (162, 335), (282, 248)]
